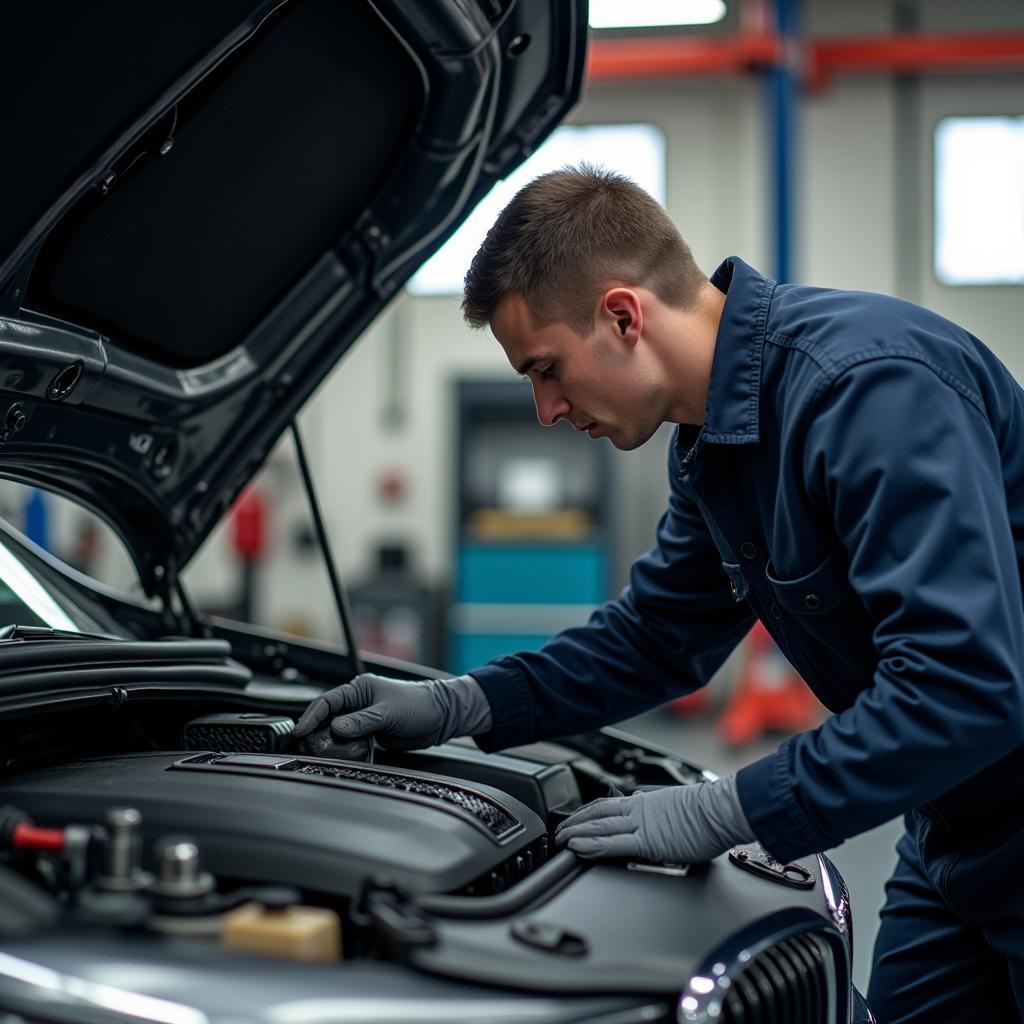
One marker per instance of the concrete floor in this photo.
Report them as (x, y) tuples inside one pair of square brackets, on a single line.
[(865, 861)]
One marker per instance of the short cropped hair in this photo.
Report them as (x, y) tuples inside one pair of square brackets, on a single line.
[(566, 235)]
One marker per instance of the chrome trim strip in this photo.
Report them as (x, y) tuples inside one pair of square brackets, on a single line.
[(47, 986)]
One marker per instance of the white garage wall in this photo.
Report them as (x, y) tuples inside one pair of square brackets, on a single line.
[(846, 196)]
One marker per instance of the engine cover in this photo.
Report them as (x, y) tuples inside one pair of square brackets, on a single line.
[(318, 824)]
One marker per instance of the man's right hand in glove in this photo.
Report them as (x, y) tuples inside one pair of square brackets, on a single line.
[(401, 714)]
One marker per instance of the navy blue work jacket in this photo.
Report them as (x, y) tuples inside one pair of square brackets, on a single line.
[(858, 485)]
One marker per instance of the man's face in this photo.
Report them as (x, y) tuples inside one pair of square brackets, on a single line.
[(599, 384)]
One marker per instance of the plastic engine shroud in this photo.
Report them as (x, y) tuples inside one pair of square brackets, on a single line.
[(323, 824)]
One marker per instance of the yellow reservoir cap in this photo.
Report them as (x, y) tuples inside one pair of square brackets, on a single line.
[(311, 934)]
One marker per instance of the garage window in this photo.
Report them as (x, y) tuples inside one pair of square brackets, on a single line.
[(979, 200), (654, 13), (635, 150)]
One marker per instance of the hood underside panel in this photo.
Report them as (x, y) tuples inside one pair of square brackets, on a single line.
[(271, 160), (84, 71)]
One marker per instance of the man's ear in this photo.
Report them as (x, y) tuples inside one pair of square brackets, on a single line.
[(621, 308)]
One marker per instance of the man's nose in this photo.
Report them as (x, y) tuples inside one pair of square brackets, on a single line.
[(551, 406)]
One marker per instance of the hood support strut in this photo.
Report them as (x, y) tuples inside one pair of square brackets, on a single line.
[(325, 549)]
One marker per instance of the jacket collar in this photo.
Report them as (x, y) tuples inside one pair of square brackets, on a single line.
[(731, 415)]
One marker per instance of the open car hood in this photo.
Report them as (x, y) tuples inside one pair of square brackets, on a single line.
[(206, 204)]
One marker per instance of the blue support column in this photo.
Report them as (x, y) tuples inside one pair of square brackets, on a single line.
[(37, 519), (781, 87)]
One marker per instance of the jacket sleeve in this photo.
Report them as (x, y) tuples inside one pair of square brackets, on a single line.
[(664, 636), (908, 466)]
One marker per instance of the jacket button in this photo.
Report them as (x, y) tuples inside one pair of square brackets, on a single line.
[(734, 590), (748, 550), (812, 602), (776, 611)]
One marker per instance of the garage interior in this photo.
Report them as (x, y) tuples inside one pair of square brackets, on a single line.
[(823, 142)]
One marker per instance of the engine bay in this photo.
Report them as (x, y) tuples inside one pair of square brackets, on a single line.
[(240, 844)]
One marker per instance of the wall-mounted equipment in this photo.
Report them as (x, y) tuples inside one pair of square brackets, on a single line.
[(532, 546)]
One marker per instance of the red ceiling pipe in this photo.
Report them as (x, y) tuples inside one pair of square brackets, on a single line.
[(913, 53), (611, 60)]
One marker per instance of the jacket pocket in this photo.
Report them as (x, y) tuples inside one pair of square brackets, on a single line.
[(829, 631), (738, 585), (818, 592)]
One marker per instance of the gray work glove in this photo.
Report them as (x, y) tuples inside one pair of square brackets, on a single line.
[(680, 824), (402, 714)]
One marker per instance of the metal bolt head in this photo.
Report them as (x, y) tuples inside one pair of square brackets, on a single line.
[(179, 873), (122, 818), (15, 418), (178, 858), (122, 858)]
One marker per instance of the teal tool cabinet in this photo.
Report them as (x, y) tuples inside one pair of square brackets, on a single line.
[(532, 540)]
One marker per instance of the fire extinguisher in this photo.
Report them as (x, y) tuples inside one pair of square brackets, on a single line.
[(248, 537)]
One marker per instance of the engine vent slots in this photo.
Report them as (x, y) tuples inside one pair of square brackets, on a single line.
[(510, 871), (487, 813), (253, 733), (497, 820)]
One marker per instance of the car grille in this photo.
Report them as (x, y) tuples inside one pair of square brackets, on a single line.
[(788, 983)]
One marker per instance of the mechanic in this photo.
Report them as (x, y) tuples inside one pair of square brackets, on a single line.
[(848, 468)]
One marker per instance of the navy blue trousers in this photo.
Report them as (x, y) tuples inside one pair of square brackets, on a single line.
[(950, 948)]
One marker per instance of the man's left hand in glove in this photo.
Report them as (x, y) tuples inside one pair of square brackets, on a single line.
[(680, 824)]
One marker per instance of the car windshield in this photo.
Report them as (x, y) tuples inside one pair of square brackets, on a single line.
[(29, 598)]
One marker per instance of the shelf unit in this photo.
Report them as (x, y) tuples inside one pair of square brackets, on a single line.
[(533, 534)]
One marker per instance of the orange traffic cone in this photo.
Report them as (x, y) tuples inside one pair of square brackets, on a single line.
[(769, 695)]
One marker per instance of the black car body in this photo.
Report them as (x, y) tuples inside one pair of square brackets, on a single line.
[(204, 206)]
